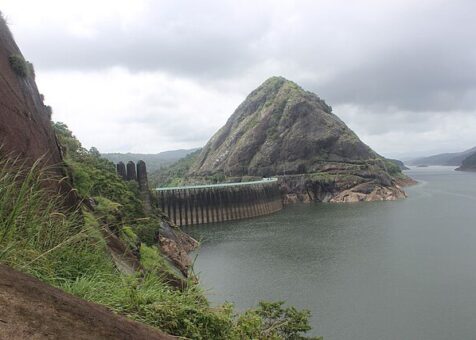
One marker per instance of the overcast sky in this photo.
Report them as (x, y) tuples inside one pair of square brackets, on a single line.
[(150, 75)]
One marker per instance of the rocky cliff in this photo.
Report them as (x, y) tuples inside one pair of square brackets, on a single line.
[(25, 125), (26, 132), (282, 130)]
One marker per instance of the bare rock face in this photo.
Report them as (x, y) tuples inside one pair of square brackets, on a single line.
[(26, 131), (338, 189), (176, 245), (25, 125), (378, 193)]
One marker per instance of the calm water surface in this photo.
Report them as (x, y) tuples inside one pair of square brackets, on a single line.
[(374, 271)]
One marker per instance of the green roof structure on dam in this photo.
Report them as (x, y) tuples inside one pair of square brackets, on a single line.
[(219, 185)]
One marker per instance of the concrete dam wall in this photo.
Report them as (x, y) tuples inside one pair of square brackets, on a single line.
[(201, 204), (195, 205)]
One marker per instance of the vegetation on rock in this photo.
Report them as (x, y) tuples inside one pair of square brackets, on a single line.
[(20, 66), (71, 250), (280, 128)]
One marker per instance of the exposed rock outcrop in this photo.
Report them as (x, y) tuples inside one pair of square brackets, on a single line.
[(176, 245), (340, 185)]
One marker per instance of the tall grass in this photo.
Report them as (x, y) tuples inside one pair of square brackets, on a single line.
[(35, 234), (29, 218), (68, 250)]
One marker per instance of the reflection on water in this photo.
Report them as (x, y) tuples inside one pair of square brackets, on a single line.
[(381, 270)]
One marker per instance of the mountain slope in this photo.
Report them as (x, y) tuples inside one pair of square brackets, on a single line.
[(280, 128), (468, 164), (454, 158)]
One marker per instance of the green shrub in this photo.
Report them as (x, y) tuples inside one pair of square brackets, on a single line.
[(20, 66), (94, 176), (391, 167)]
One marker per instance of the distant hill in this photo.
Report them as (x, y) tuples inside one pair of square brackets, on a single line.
[(455, 158), (469, 163), (153, 161), (174, 174)]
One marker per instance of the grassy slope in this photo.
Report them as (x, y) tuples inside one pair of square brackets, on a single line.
[(68, 250)]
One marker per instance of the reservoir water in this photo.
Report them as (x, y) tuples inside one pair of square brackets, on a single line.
[(374, 271)]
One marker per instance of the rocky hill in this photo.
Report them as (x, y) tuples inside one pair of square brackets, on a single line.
[(282, 130), (468, 164)]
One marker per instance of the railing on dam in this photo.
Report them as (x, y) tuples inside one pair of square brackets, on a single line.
[(200, 204)]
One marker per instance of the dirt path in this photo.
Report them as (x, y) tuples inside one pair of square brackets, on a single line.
[(30, 309)]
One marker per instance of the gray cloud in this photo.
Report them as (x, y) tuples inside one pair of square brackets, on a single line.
[(410, 55), (398, 66)]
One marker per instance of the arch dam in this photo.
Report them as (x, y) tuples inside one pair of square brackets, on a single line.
[(201, 204)]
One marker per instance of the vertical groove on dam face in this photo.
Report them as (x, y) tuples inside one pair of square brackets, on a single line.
[(219, 203)]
